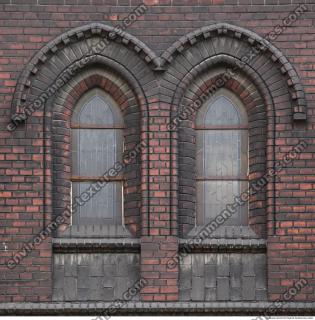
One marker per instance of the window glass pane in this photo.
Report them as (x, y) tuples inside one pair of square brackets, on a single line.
[(222, 153), (95, 150), (96, 147), (105, 207), (212, 198), (96, 111), (97, 108), (222, 112), (225, 110)]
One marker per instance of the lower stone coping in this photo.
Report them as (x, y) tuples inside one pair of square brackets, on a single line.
[(156, 308)]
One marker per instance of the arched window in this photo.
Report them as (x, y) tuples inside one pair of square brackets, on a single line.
[(222, 158), (97, 144)]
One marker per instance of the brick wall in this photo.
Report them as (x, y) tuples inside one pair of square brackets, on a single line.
[(25, 204)]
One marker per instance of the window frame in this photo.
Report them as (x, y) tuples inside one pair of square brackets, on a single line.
[(76, 125), (200, 216)]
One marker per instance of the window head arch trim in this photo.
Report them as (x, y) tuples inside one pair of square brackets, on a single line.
[(222, 157), (97, 109), (223, 110)]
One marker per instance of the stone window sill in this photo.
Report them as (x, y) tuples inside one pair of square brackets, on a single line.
[(224, 239), (94, 231), (223, 245), (71, 245)]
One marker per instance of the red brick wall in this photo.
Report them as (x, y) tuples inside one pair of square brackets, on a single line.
[(27, 25)]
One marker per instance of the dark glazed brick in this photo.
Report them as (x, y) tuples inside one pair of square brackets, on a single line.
[(210, 276), (236, 294), (197, 291), (223, 288), (236, 270), (223, 265), (198, 265), (248, 288)]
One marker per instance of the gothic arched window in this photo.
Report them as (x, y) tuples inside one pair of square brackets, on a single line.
[(97, 144), (222, 158)]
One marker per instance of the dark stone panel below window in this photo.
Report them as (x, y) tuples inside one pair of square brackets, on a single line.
[(223, 277), (94, 276)]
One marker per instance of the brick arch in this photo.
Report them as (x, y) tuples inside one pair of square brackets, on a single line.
[(58, 116), (74, 45), (231, 40), (257, 163), (255, 95)]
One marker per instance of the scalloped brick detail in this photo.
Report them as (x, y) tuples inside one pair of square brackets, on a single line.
[(244, 35), (72, 36), (158, 63)]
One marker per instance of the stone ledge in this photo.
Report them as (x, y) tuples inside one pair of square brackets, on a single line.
[(156, 308), (70, 245), (224, 245), (66, 245)]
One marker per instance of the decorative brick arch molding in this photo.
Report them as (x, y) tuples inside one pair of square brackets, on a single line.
[(210, 80), (129, 65), (224, 38), (74, 44), (58, 117), (65, 43), (269, 77)]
